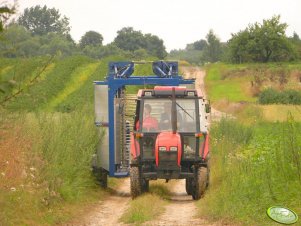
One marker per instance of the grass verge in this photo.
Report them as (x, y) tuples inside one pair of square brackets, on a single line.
[(253, 167), (45, 167)]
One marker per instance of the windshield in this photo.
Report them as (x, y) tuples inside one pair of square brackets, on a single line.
[(157, 115), (186, 115)]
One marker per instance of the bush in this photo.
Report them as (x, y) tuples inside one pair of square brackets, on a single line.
[(272, 96)]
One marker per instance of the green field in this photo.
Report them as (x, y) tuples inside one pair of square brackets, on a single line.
[(253, 168), (241, 83), (255, 159)]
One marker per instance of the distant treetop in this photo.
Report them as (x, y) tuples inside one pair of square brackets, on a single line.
[(42, 20)]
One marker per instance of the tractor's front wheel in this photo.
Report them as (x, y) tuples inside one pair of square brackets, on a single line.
[(136, 182), (200, 183)]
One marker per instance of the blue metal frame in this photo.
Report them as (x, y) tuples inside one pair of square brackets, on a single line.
[(117, 83)]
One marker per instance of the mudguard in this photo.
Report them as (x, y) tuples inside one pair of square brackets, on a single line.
[(206, 147), (135, 149)]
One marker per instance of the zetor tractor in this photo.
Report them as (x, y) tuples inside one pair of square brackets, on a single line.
[(170, 139)]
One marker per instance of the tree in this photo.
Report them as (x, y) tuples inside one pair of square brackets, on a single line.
[(130, 40), (296, 42), (155, 46), (261, 43), (100, 51), (11, 39), (5, 13), (92, 38), (53, 43), (198, 45), (41, 20), (239, 47), (213, 49)]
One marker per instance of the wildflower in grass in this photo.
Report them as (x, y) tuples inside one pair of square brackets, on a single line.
[(13, 189)]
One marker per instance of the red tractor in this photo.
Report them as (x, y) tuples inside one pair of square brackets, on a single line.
[(170, 139)]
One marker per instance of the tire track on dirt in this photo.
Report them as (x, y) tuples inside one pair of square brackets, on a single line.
[(108, 212), (181, 210)]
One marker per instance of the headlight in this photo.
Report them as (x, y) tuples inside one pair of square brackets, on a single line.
[(173, 149), (162, 148)]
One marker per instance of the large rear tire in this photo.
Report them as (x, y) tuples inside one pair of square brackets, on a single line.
[(145, 185), (200, 183), (136, 182)]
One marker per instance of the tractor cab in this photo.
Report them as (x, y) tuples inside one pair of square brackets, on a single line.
[(169, 131)]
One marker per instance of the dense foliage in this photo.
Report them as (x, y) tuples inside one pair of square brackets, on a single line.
[(199, 52), (130, 40), (42, 20), (272, 96), (91, 38), (261, 43)]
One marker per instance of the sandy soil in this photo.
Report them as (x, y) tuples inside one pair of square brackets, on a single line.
[(108, 212), (180, 211)]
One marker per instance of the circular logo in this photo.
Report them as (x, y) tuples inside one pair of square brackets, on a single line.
[(282, 215)]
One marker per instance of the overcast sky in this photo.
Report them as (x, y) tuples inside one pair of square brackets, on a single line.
[(177, 22)]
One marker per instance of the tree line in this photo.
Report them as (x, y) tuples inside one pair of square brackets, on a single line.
[(41, 30), (259, 42)]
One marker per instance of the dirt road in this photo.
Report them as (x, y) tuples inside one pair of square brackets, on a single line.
[(199, 75), (108, 212), (181, 209)]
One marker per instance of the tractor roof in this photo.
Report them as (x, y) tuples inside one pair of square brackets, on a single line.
[(168, 91)]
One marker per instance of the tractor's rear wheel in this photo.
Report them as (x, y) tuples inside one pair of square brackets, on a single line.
[(101, 176), (200, 183), (145, 185), (189, 187), (136, 182)]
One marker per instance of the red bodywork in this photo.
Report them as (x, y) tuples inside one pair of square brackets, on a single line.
[(206, 147), (135, 148), (169, 88), (168, 140)]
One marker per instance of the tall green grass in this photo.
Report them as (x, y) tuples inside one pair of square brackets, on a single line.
[(253, 168), (16, 74), (58, 158)]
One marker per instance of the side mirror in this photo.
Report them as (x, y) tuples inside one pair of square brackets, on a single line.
[(207, 108)]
